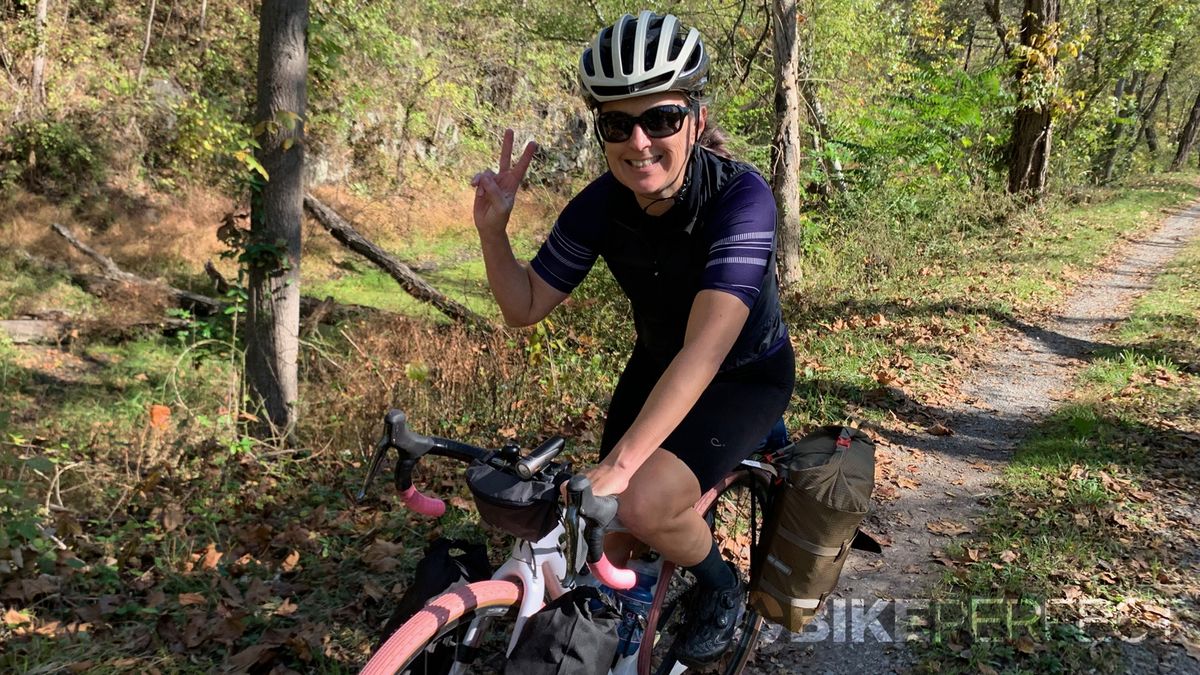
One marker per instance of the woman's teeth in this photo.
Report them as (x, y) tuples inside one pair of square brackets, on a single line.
[(642, 163)]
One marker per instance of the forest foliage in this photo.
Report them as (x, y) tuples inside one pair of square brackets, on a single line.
[(919, 95)]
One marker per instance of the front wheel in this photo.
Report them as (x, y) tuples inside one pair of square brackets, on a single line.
[(429, 642)]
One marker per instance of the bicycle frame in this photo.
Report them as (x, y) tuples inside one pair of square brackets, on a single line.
[(547, 556)]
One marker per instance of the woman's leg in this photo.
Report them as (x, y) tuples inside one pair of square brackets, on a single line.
[(657, 509)]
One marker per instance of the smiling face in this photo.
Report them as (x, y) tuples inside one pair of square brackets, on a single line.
[(653, 168)]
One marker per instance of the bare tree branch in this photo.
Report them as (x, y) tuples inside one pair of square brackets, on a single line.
[(992, 9), (146, 44), (409, 280)]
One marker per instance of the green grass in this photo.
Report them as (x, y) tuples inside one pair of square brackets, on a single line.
[(1088, 499), (24, 289)]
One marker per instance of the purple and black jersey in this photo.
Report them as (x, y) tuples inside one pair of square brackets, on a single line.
[(719, 236), (740, 236)]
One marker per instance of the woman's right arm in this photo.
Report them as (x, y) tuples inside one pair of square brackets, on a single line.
[(523, 296)]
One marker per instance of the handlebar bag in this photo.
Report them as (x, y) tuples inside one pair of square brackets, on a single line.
[(813, 523), (525, 508), (576, 634)]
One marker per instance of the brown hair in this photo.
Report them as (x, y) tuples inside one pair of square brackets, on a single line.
[(715, 139)]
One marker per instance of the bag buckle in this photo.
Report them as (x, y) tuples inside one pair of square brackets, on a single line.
[(843, 439)]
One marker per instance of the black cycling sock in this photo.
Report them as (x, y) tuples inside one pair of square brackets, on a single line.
[(712, 572)]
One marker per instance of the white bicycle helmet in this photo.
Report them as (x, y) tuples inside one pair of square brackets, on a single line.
[(643, 55)]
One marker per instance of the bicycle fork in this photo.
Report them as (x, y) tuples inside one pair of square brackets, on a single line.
[(537, 567)]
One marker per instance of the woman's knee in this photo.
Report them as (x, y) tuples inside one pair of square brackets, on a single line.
[(662, 491)]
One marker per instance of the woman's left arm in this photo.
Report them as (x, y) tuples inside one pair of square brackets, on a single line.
[(714, 324)]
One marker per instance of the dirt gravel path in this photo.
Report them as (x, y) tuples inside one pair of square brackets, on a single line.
[(1020, 383)]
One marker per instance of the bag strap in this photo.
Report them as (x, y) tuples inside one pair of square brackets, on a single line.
[(815, 549)]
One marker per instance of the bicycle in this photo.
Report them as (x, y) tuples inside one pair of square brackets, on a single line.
[(455, 625)]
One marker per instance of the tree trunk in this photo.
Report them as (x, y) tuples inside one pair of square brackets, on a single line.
[(1029, 153), (1107, 161), (1147, 122), (820, 125), (785, 150), (276, 212), (146, 42), (1187, 137), (37, 81)]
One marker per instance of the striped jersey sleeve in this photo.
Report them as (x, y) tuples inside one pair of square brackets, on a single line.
[(742, 236), (570, 250)]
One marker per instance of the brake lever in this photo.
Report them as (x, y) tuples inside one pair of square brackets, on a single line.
[(381, 449)]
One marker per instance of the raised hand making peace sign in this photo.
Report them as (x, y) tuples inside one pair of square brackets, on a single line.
[(495, 192)]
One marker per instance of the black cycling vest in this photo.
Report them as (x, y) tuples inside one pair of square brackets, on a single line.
[(658, 262)]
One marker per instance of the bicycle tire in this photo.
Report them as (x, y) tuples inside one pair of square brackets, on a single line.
[(749, 484), (438, 619)]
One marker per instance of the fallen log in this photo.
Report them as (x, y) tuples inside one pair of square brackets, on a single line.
[(201, 304), (113, 277), (33, 331), (410, 281)]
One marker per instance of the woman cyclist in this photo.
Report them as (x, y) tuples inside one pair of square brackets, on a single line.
[(688, 234)]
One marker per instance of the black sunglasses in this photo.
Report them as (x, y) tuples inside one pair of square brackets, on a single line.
[(658, 122)]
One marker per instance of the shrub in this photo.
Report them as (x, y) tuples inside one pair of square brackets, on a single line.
[(54, 157)]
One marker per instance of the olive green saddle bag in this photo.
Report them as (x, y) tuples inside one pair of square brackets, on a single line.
[(825, 492)]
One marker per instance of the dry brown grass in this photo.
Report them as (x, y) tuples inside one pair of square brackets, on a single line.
[(146, 234)]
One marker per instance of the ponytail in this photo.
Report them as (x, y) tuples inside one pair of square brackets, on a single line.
[(716, 141)]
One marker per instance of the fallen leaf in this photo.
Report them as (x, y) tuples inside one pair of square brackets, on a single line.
[(172, 517), (384, 564), (1160, 611), (257, 592), (14, 618), (229, 629), (1009, 556), (289, 563), (155, 598), (187, 599), (211, 558), (382, 549), (940, 429), (286, 608), (195, 633), (1192, 648), (250, 656), (907, 483), (373, 590), (949, 528), (233, 597), (159, 414)]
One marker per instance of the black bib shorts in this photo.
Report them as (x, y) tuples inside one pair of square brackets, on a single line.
[(729, 421)]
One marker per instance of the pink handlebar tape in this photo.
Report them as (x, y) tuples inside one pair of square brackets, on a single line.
[(426, 506), (613, 577)]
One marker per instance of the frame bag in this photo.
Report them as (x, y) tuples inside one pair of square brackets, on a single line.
[(576, 634), (828, 477)]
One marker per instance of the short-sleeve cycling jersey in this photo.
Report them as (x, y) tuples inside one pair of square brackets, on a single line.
[(719, 236)]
